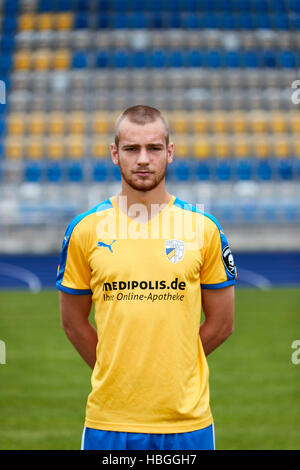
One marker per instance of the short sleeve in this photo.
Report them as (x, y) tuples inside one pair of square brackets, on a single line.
[(73, 274), (218, 268)]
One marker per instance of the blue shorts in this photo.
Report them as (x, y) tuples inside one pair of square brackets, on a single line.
[(94, 439)]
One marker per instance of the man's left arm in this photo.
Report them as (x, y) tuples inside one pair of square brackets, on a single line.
[(218, 308)]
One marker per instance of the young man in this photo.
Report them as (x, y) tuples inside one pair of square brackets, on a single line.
[(148, 261)]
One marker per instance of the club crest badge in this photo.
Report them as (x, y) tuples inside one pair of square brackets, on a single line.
[(174, 250)]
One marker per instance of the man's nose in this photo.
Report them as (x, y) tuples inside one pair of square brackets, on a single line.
[(143, 156)]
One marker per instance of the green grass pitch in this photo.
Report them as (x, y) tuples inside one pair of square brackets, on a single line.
[(254, 383)]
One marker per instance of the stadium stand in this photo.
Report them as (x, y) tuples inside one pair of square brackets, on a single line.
[(222, 71)]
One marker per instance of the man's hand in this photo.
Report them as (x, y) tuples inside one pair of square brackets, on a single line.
[(218, 308)]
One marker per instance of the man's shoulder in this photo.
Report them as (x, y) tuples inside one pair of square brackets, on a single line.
[(82, 220), (199, 209)]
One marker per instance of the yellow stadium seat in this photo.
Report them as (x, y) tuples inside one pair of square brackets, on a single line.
[(22, 60), (75, 147), (201, 148), (36, 123), (100, 148), (261, 147), (35, 148), (277, 123), (45, 21), (220, 147), (218, 122), (56, 123), (182, 146), (240, 146), (258, 122), (55, 148), (238, 122), (280, 147), (42, 59), (77, 123), (178, 122), (100, 123), (27, 22), (16, 124), (294, 122), (296, 147), (14, 148), (61, 59), (199, 122), (63, 21)]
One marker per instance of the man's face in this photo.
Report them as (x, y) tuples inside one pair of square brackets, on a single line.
[(142, 154)]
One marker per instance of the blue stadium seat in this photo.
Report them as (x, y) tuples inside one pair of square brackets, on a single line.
[(158, 58), (79, 60), (209, 21), (191, 21), (203, 171), (182, 171), (81, 20), (251, 59), (54, 173), (9, 24), (264, 171), (281, 22), (100, 172), (139, 59), (6, 63), (119, 21), (269, 59), (102, 21), (64, 5), (116, 173), (194, 58), (232, 59), (223, 171), (75, 172), (263, 21), (45, 6), (139, 21), (285, 170), (7, 43), (296, 22), (11, 7), (82, 5), (176, 59), (287, 59), (244, 171), (33, 172), (213, 59), (226, 21), (245, 21), (120, 59), (102, 59), (103, 5)]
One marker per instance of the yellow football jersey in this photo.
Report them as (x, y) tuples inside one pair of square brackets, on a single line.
[(151, 373)]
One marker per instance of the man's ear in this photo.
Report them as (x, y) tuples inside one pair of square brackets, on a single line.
[(114, 154), (170, 152)]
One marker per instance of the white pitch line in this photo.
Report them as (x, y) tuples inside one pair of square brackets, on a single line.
[(22, 274), (257, 280)]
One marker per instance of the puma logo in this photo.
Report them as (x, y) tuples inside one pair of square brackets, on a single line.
[(107, 245)]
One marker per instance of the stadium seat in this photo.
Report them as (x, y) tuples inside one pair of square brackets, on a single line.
[(75, 147), (22, 60), (77, 123), (218, 122), (178, 122), (44, 21), (241, 147), (201, 148), (199, 124), (61, 59), (182, 146), (32, 172), (221, 146), (99, 148), (55, 149), (42, 59), (36, 123), (14, 148), (63, 21), (34, 149), (27, 22), (261, 147), (56, 123), (16, 124)]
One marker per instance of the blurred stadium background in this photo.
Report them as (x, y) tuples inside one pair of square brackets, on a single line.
[(225, 74)]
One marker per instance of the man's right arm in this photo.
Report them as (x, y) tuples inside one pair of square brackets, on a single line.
[(74, 311)]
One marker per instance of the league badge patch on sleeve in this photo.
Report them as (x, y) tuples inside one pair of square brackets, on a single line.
[(228, 260)]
